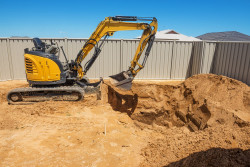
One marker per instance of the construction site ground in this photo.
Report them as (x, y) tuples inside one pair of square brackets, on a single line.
[(202, 121)]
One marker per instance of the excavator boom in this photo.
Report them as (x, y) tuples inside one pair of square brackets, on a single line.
[(107, 28)]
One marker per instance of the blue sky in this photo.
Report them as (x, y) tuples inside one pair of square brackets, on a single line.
[(79, 18)]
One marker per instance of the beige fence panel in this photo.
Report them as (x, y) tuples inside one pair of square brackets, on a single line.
[(158, 64), (232, 59), (180, 59), (4, 60), (108, 62), (17, 47), (195, 59), (128, 51), (207, 58), (73, 47), (246, 70)]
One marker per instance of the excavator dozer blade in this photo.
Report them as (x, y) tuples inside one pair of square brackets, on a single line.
[(122, 80)]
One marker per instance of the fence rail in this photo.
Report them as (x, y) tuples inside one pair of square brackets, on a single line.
[(167, 60)]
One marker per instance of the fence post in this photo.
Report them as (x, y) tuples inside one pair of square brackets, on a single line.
[(202, 57), (10, 59), (173, 52), (121, 55), (66, 46)]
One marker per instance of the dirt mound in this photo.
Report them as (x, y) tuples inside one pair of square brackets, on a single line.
[(214, 108), (221, 93), (199, 102)]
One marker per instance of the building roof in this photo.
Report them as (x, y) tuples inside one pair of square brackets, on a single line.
[(225, 36), (173, 35)]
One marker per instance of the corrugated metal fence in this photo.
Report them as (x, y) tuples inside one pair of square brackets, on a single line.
[(167, 60)]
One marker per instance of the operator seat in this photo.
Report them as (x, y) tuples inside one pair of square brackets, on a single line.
[(39, 45)]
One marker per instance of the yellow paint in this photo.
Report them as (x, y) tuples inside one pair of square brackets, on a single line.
[(41, 69), (108, 27)]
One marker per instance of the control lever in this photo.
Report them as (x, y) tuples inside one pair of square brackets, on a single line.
[(65, 57), (52, 43)]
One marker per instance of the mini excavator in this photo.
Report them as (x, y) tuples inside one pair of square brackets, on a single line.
[(51, 79)]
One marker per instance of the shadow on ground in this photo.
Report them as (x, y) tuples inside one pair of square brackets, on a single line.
[(123, 103), (215, 157)]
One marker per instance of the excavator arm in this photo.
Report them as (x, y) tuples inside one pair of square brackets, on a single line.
[(107, 28)]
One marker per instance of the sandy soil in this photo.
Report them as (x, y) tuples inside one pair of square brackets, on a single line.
[(204, 121)]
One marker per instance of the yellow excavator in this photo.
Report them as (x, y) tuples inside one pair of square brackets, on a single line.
[(51, 79)]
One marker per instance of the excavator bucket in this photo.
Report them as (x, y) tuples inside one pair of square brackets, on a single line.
[(122, 80)]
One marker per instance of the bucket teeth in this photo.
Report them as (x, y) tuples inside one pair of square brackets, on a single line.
[(122, 80)]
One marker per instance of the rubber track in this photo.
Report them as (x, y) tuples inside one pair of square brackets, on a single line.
[(45, 93)]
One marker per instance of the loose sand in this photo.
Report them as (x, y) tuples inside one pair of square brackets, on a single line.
[(203, 121)]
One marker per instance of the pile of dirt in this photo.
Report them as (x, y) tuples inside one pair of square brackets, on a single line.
[(197, 118), (201, 101)]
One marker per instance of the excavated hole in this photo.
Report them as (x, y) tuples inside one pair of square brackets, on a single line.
[(163, 105)]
